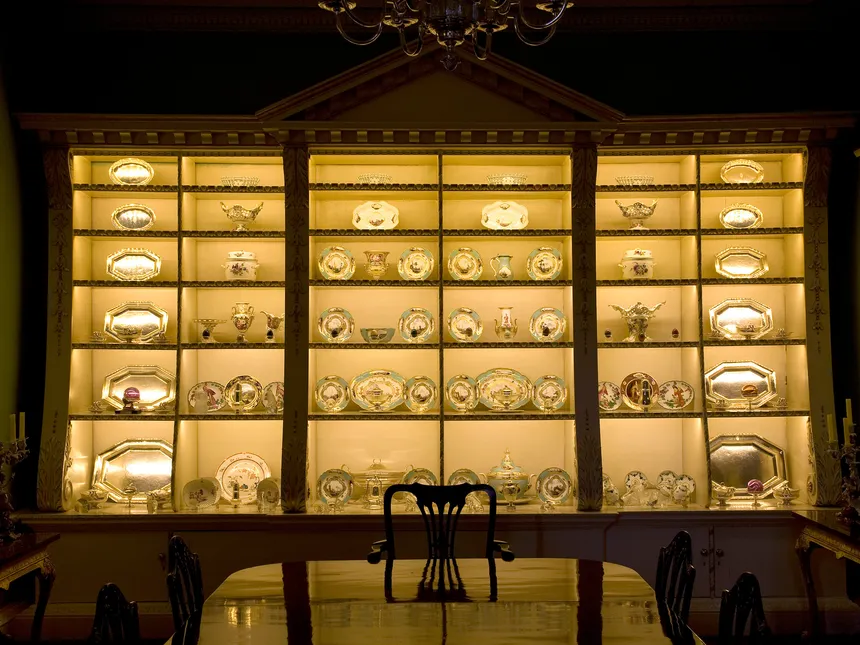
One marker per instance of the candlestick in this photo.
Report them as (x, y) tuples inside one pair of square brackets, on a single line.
[(831, 429), (13, 429), (848, 413), (21, 432), (846, 431)]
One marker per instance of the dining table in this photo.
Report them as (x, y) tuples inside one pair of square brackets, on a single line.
[(535, 601)]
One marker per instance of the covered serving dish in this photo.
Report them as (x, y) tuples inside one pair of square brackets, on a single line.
[(507, 472), (637, 264), (241, 265), (374, 481)]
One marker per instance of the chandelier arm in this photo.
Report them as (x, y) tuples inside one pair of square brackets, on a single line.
[(533, 43), (352, 40), (405, 46), (481, 53), (502, 7), (410, 7), (521, 17), (367, 25)]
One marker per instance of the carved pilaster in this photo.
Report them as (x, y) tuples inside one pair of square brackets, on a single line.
[(295, 443), (826, 482), (49, 487), (588, 457)]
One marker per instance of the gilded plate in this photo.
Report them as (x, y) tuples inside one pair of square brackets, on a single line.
[(375, 216), (331, 393), (421, 476), (741, 319), (465, 325), (134, 468), (133, 265), (554, 486), (740, 385), (131, 172), (421, 393), (462, 393), (245, 470), (544, 263), (741, 262), (269, 492), (675, 395), (547, 325), (465, 264), (156, 385), (635, 479), (463, 476), (336, 263), (133, 217), (737, 459), (335, 486), (550, 393), (206, 396), (273, 397), (336, 325), (135, 321), (608, 396), (741, 216), (504, 389), (201, 493), (416, 325), (639, 391), (244, 393), (742, 171), (378, 390), (415, 264), (505, 215)]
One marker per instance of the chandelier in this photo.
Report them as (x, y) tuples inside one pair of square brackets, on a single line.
[(452, 22)]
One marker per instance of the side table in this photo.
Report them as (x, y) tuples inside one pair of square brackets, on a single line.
[(22, 562)]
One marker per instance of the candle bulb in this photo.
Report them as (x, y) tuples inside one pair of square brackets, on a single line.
[(846, 430), (13, 428), (831, 429), (848, 412), (21, 433)]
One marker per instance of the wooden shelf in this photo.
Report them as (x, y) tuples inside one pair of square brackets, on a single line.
[(740, 282), (235, 234), (752, 232), (651, 232), (232, 416), (374, 188), (117, 284), (654, 344), (768, 412), (485, 232), (112, 232), (660, 413), (111, 345), (373, 416), (354, 232), (647, 188), (373, 283), (775, 342), (234, 284), (391, 345), (111, 416), (779, 187), (513, 415), (507, 283), (522, 188), (118, 188), (669, 282), (508, 345), (234, 190), (227, 345)]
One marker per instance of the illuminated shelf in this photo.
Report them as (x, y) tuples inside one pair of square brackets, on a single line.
[(118, 188), (373, 416), (232, 416), (759, 342), (125, 346), (777, 187), (770, 412), (653, 344), (508, 345), (647, 188), (373, 283), (111, 416), (743, 232), (669, 282), (354, 232), (744, 281), (233, 189), (651, 232), (521, 188), (651, 414), (377, 188), (508, 283), (513, 415), (374, 345), (110, 232), (235, 234), (485, 232), (234, 284), (224, 345), (117, 284)]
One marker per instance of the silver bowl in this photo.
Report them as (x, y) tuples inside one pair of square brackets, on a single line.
[(377, 335), (240, 181)]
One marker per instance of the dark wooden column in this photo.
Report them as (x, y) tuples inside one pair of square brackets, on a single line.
[(52, 452), (583, 327), (294, 474), (826, 482)]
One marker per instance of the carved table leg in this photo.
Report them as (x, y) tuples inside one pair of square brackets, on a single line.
[(46, 578), (804, 553)]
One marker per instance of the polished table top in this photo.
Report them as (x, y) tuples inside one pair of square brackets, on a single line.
[(543, 601)]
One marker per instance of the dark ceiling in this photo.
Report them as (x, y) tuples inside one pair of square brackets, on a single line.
[(231, 57)]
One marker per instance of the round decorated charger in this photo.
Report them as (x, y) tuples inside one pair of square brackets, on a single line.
[(211, 393), (245, 469), (554, 486), (608, 396), (201, 493), (675, 395), (335, 486), (336, 263)]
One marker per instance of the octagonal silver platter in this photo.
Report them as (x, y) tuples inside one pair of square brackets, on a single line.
[(140, 464), (741, 319), (741, 263), (139, 321), (726, 383), (736, 459), (155, 383), (133, 265)]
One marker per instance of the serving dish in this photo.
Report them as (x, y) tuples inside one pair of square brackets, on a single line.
[(742, 171), (336, 263), (637, 213), (503, 389), (507, 179), (241, 216), (336, 325), (206, 396), (133, 265), (244, 471), (639, 391), (131, 172), (462, 393), (547, 325), (634, 180), (741, 216), (377, 335), (239, 181), (465, 325), (549, 393), (509, 478), (741, 262), (201, 493), (135, 321), (378, 390), (374, 178), (131, 469), (637, 264), (416, 325), (421, 393), (465, 264), (741, 319), (375, 216), (544, 263), (739, 459), (244, 393), (133, 217), (241, 265), (331, 393), (505, 215), (740, 385), (156, 385)]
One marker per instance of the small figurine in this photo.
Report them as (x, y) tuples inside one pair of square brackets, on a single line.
[(130, 401), (675, 334)]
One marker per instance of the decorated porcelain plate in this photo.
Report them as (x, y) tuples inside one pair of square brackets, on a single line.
[(336, 325), (465, 264), (335, 486), (554, 486), (504, 389), (131, 172), (206, 396), (550, 393), (462, 393), (687, 482), (201, 493), (465, 325), (667, 477), (415, 264), (269, 492), (547, 325), (638, 391), (245, 469), (420, 476), (463, 476), (331, 393), (244, 393), (273, 397), (416, 325), (378, 390), (375, 216), (336, 263), (505, 215), (675, 395), (544, 263), (133, 217), (421, 393), (608, 396), (634, 479), (741, 216)]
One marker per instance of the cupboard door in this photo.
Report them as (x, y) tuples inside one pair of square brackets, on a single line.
[(767, 551)]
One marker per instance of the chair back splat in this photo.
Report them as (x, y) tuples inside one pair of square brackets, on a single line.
[(116, 619), (440, 508), (741, 605), (676, 575), (184, 581)]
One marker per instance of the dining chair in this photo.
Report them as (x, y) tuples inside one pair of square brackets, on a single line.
[(116, 619), (184, 581), (190, 632), (676, 575), (675, 629), (741, 605), (440, 508)]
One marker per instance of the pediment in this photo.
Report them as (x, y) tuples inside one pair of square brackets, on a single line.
[(396, 89)]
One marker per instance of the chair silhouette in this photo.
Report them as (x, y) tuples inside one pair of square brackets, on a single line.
[(739, 606), (116, 619), (184, 582), (676, 575), (440, 508), (675, 629)]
